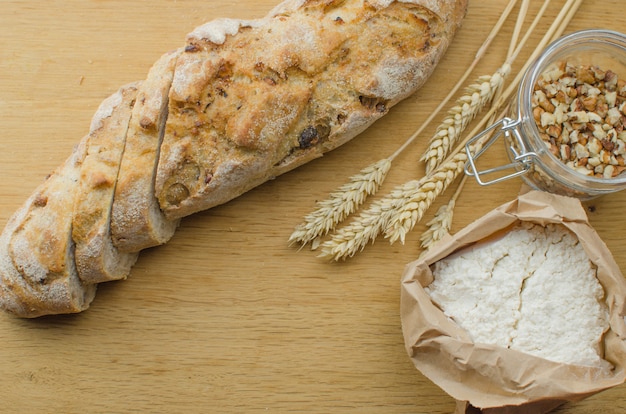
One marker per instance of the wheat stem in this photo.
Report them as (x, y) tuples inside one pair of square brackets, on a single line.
[(555, 30), (514, 52), (521, 17), (571, 12)]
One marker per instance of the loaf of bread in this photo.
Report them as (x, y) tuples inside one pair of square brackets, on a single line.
[(240, 103)]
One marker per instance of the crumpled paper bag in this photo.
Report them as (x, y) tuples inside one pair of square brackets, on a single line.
[(492, 379)]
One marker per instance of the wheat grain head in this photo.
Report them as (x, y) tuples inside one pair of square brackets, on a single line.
[(340, 204), (477, 96)]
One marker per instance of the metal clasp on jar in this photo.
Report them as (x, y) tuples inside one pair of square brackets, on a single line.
[(521, 157)]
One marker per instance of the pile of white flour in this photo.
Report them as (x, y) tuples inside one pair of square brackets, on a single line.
[(533, 289)]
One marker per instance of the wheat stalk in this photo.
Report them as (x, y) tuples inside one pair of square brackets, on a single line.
[(366, 227), (340, 204), (477, 96), (394, 214), (441, 223), (419, 200)]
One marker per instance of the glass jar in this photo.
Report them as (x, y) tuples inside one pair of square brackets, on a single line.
[(530, 156)]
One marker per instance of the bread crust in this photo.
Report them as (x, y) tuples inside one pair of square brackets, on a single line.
[(254, 99), (97, 259), (136, 220), (37, 267)]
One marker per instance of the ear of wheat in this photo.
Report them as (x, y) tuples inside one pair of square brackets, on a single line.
[(341, 203), (477, 96), (441, 223), (439, 226), (367, 226), (419, 200)]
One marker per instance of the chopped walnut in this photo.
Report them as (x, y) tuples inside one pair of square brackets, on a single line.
[(580, 112)]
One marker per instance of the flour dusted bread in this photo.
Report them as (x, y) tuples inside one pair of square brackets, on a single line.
[(253, 99), (240, 103), (532, 289), (38, 271), (97, 259), (137, 221)]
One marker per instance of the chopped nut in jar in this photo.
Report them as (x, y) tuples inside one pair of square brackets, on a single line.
[(580, 112)]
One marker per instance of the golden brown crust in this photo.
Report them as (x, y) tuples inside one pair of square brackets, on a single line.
[(136, 220), (97, 260), (37, 253), (253, 99)]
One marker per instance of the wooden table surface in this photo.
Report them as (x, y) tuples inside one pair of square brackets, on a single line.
[(227, 317)]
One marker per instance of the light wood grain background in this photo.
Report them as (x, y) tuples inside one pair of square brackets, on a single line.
[(228, 318)]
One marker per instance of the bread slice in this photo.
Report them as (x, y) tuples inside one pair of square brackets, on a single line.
[(97, 259), (37, 267), (251, 100), (137, 221)]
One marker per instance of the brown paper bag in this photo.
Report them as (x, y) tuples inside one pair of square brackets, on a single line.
[(496, 379)]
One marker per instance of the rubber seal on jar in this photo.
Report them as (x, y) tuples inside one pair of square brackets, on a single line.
[(521, 159)]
